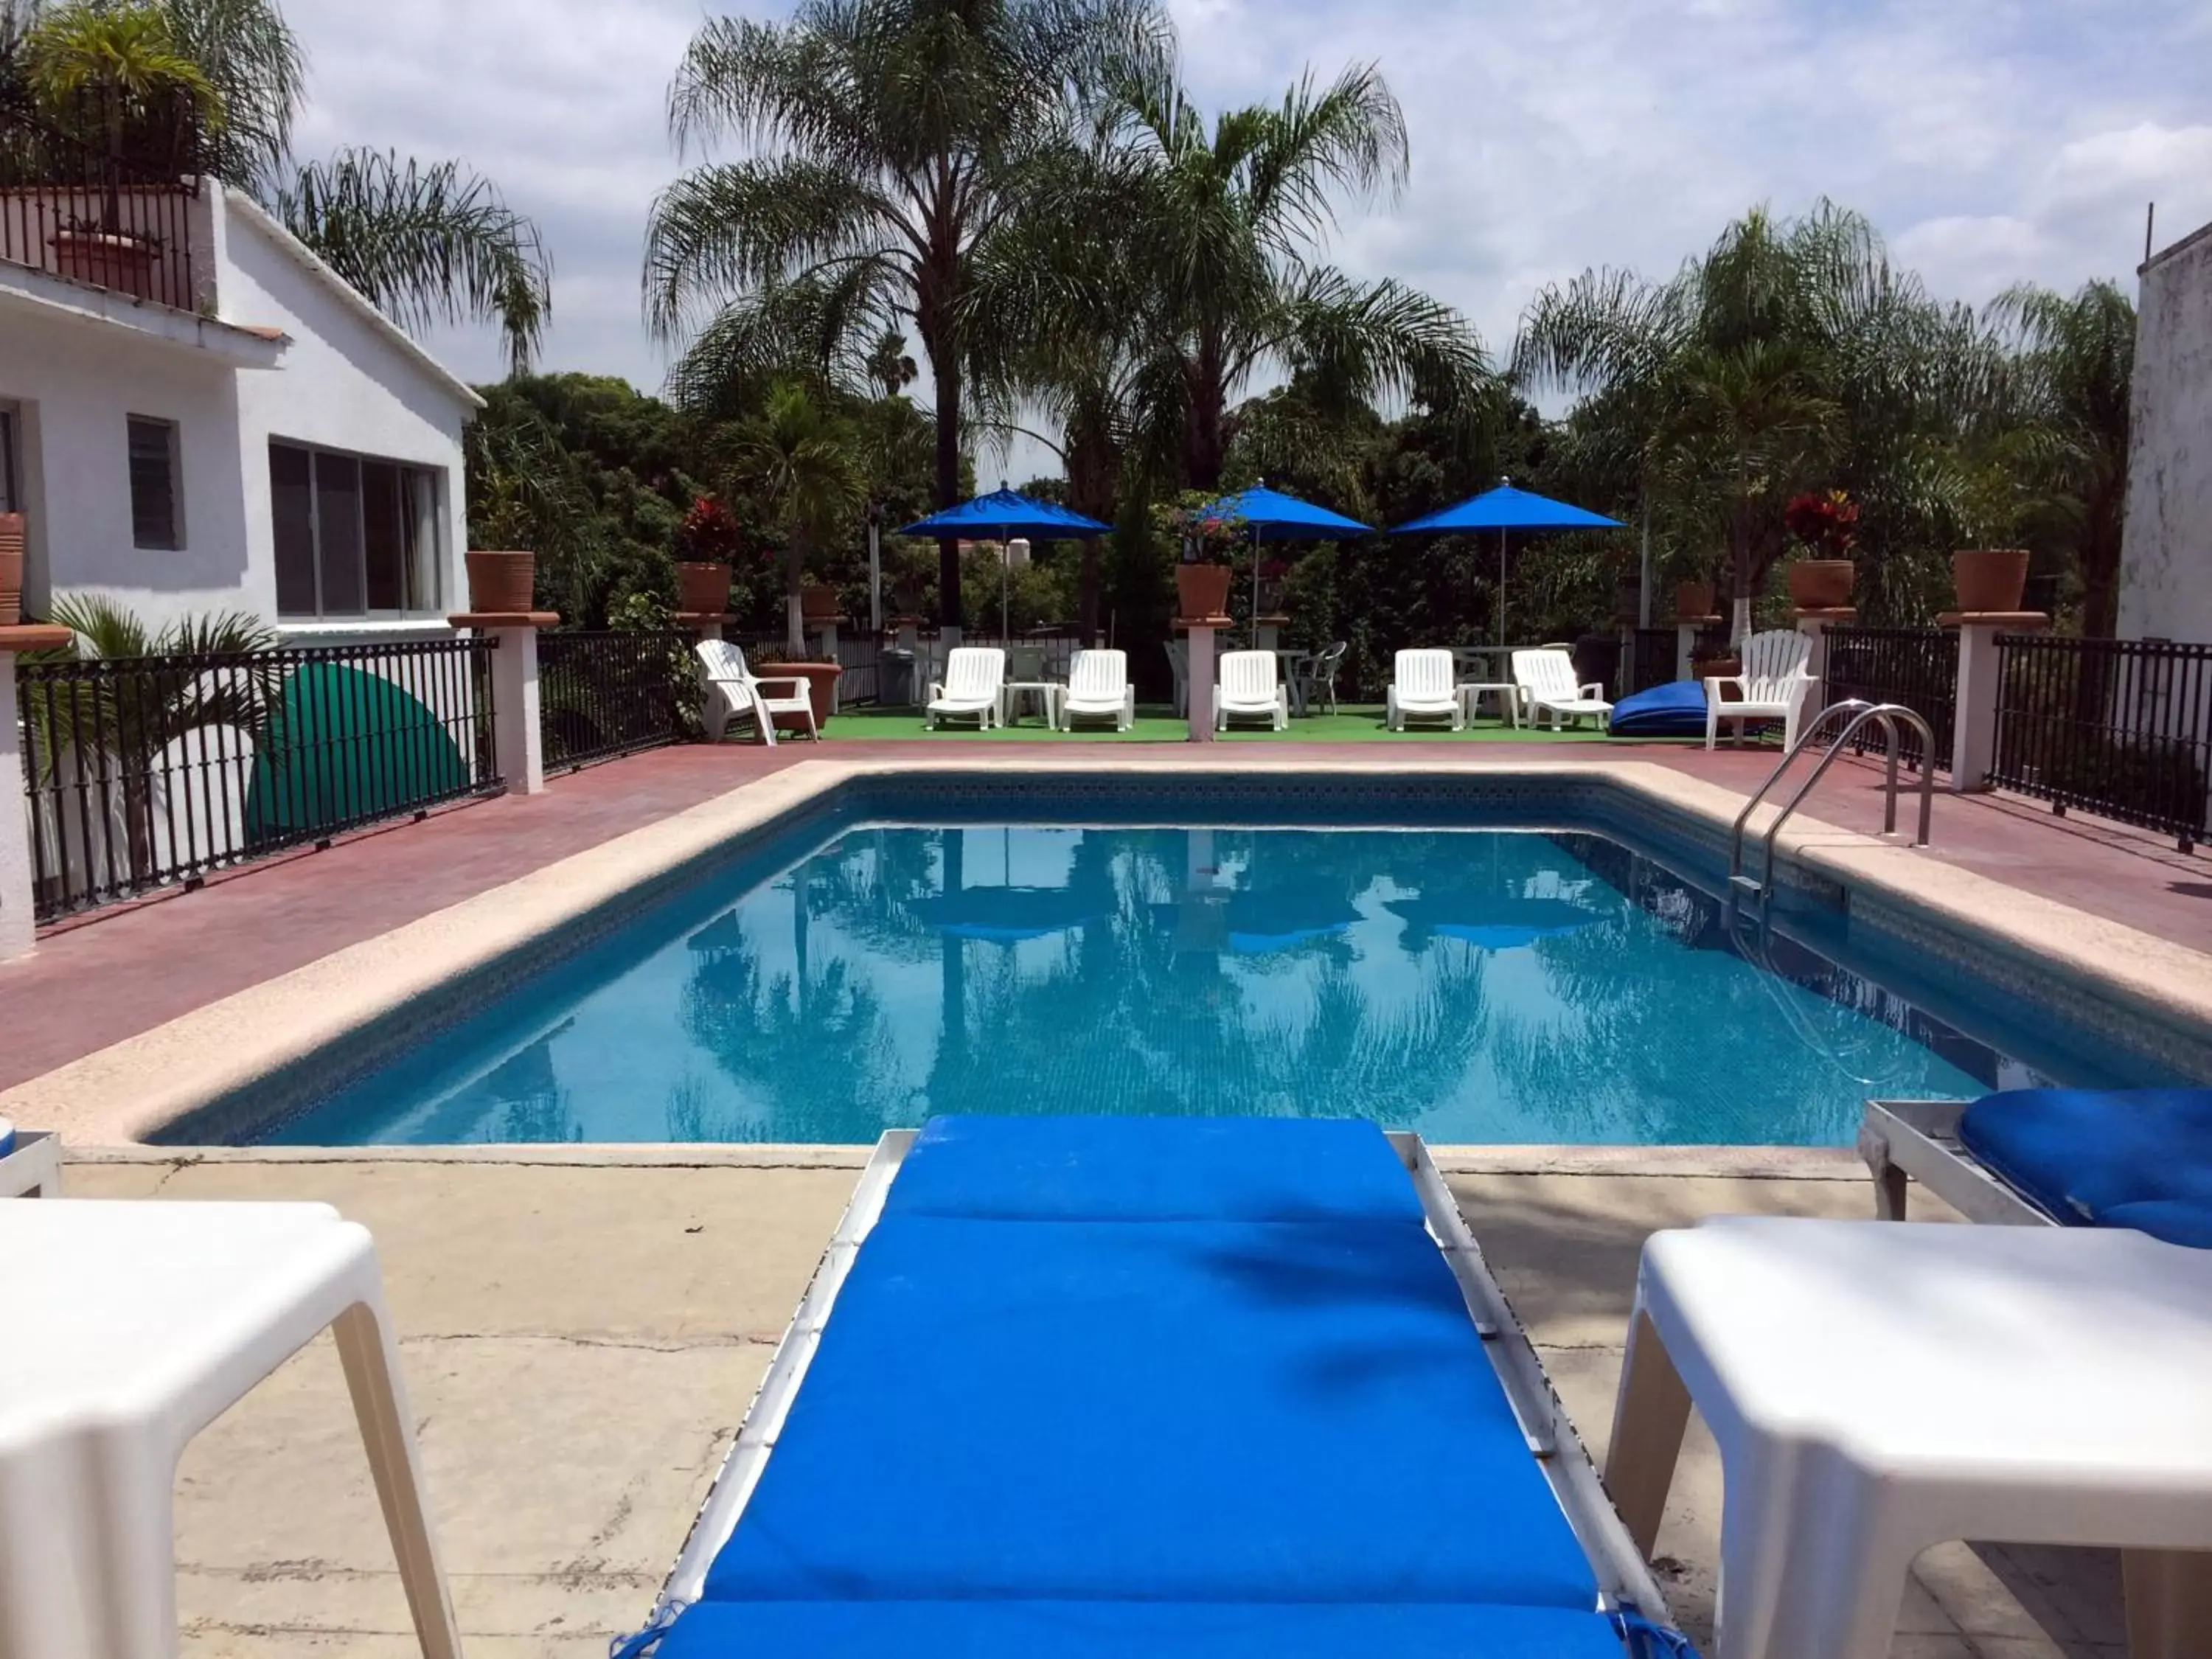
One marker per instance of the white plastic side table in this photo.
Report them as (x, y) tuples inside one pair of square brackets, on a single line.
[(125, 1329), (1046, 692), (1877, 1388)]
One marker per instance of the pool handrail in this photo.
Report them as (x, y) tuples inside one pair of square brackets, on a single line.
[(1862, 714)]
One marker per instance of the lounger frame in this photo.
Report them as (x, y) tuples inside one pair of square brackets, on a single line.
[(1919, 1139), (1623, 1578)]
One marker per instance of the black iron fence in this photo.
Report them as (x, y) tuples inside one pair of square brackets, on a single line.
[(79, 213), (1652, 659), (2119, 727), (600, 695), (1916, 666), (149, 772)]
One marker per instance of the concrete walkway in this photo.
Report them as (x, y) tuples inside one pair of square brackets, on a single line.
[(582, 1332)]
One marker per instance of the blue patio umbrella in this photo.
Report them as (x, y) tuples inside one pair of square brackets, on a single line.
[(1502, 509), (1002, 515), (1272, 516)]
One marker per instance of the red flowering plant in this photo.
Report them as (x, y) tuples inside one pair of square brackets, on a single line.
[(710, 532), (1195, 523), (1826, 522)]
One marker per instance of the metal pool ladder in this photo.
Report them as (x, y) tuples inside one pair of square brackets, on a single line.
[(1862, 714)]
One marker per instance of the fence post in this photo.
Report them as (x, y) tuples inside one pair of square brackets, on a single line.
[(1687, 630), (517, 741), (19, 896), (1200, 675), (1974, 724), (1624, 671)]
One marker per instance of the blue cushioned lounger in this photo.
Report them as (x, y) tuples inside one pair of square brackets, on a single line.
[(2093, 1157), (1159, 1386)]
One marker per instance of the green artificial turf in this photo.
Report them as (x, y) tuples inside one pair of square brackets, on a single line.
[(1157, 725)]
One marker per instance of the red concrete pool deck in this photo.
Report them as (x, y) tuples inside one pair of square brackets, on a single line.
[(115, 973)]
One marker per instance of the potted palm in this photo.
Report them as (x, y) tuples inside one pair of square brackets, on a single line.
[(1825, 523), (1991, 576), (711, 541), (502, 581), (803, 459)]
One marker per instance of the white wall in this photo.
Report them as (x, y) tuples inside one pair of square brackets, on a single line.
[(344, 383), (2166, 559), (78, 383)]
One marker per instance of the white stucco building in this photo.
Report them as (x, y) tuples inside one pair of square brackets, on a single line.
[(2166, 562), (211, 420)]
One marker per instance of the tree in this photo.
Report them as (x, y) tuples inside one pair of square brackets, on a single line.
[(425, 244), (802, 458), (894, 138), (2076, 360), (126, 66)]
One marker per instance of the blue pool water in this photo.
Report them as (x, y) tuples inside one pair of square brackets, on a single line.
[(1473, 985)]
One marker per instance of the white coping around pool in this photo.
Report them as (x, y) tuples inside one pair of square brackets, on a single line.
[(132, 1089)]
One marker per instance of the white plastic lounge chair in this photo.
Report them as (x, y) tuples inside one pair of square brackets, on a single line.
[(973, 675), (1774, 684), (1250, 689), (1032, 1287), (1546, 679), (732, 690), (1098, 689), (2071, 1158), (1421, 688)]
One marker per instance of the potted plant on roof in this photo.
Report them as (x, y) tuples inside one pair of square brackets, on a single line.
[(802, 460), (711, 541), (1827, 526), (1991, 576), (1207, 539)]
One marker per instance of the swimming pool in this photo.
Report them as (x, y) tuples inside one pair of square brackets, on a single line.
[(1491, 983)]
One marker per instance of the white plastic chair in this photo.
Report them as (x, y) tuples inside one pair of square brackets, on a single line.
[(1775, 684), (1546, 679), (1421, 688), (1098, 689), (132, 1325), (1250, 688), (973, 677), (732, 690), (1317, 677), (1179, 663)]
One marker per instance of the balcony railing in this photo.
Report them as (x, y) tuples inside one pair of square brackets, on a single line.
[(77, 213)]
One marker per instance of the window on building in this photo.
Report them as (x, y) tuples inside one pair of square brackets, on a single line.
[(154, 517), (353, 536), (11, 487)]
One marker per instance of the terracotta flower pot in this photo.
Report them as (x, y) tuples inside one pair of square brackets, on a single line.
[(502, 584), (1990, 578), (817, 603), (1201, 591), (1693, 600), (1821, 583), (820, 679), (702, 590), (11, 568)]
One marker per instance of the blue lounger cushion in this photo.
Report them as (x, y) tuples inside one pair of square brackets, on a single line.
[(2110, 1158), (1153, 1168), (1134, 1629), (1179, 1411), (1673, 710)]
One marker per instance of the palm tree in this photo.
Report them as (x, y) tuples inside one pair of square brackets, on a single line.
[(1216, 226), (893, 139), (2077, 358), (126, 65), (425, 244), (802, 459)]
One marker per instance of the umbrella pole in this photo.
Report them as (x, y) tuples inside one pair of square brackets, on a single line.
[(1501, 590)]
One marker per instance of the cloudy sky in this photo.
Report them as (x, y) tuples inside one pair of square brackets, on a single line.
[(1990, 140)]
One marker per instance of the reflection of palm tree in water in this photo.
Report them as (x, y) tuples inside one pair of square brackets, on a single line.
[(813, 1044)]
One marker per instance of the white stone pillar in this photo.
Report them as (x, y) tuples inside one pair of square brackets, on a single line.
[(518, 742), (827, 645), (1265, 633), (1974, 719), (18, 898), (1685, 647), (1815, 628), (1201, 683)]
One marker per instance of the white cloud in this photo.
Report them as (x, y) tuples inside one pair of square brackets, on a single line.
[(1992, 140)]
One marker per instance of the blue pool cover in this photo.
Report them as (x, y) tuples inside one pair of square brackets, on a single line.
[(1151, 1385), (1676, 710), (2104, 1158)]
